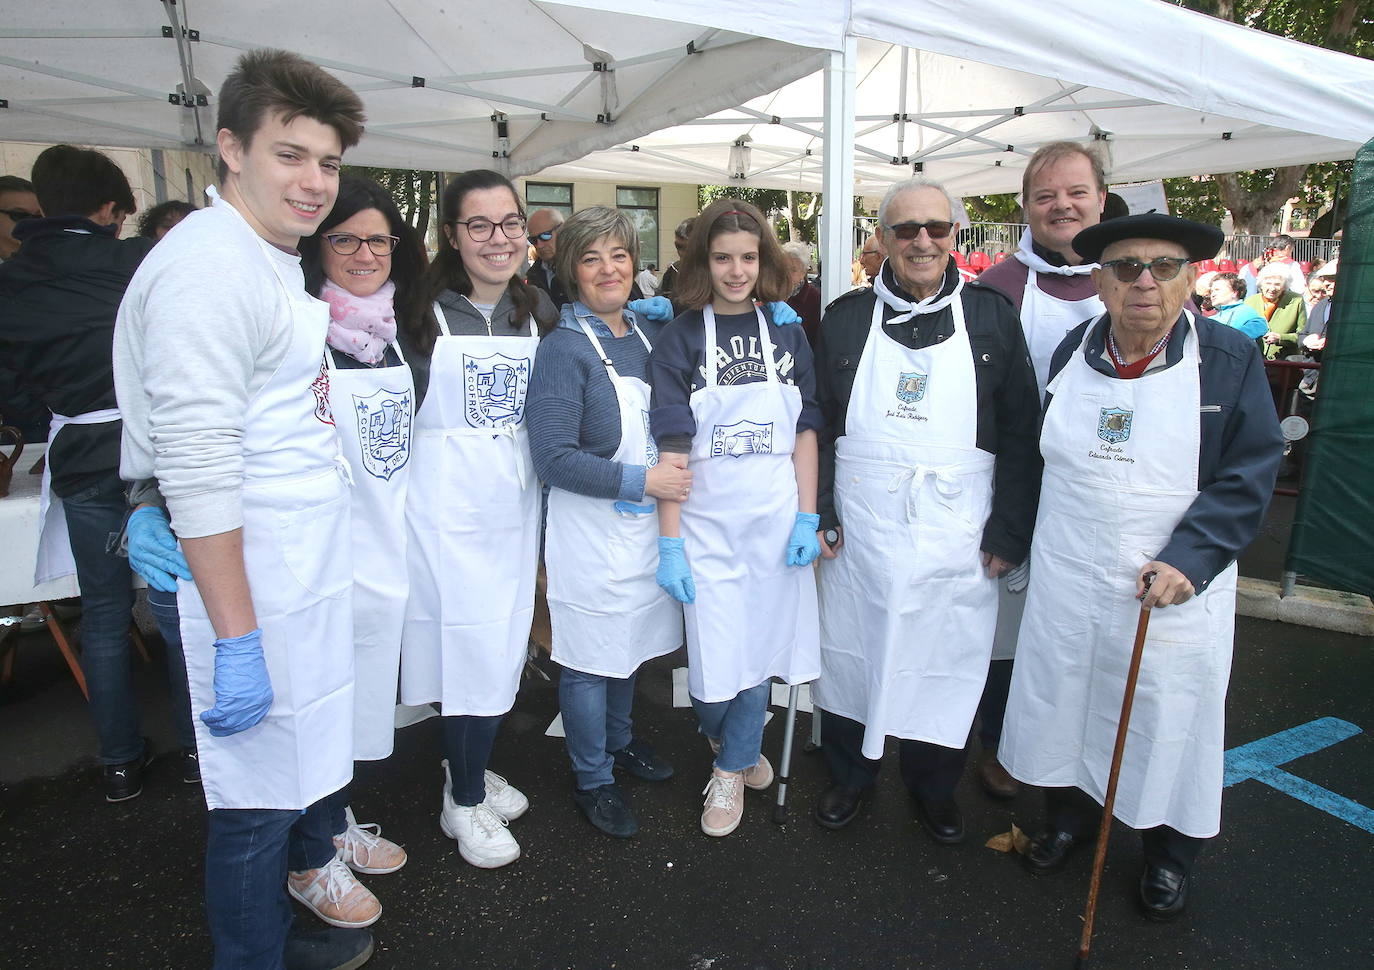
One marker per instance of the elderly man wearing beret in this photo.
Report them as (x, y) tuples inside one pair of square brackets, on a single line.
[(1161, 447)]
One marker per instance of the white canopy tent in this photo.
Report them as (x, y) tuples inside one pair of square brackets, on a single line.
[(448, 84), (531, 86)]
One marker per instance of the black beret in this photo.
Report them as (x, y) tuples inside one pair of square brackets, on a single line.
[(1199, 239)]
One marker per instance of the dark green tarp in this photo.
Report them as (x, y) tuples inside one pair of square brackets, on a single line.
[(1333, 531)]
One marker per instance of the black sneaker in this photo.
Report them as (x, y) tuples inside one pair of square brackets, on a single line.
[(190, 766), (639, 759), (606, 809), (331, 949), (123, 782)]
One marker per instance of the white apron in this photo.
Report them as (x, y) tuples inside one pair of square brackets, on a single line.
[(1045, 320), (297, 557), (472, 522), (608, 613), (1121, 466), (907, 610), (754, 616), (54, 543), (374, 412)]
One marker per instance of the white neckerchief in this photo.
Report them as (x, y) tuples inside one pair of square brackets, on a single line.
[(905, 309), (1028, 256)]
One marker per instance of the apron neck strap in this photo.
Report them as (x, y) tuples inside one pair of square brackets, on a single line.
[(442, 320)]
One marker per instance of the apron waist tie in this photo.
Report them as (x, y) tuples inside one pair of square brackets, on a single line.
[(946, 485), (508, 431)]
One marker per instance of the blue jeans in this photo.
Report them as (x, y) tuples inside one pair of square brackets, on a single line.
[(247, 854), (94, 515), (164, 610), (468, 741), (596, 721), (737, 724)]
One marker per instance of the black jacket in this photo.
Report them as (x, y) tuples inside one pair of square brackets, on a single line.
[(1008, 406), (58, 299)]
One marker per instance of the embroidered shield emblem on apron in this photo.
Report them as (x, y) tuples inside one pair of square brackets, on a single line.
[(494, 389), (384, 420), (1114, 425), (911, 387), (742, 438)]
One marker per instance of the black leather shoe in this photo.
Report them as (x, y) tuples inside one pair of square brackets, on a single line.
[(942, 820), (1163, 893), (1048, 850), (123, 782), (331, 949), (639, 759), (606, 809), (838, 805)]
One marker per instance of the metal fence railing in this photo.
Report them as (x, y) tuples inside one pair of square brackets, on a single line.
[(1243, 248)]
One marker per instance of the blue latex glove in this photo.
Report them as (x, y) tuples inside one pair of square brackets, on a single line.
[(153, 551), (629, 508), (782, 314), (673, 574), (243, 691), (803, 547), (656, 308)]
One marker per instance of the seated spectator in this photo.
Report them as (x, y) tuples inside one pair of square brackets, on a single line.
[(1227, 298), (1202, 292)]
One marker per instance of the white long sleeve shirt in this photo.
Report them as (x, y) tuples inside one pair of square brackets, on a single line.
[(203, 326)]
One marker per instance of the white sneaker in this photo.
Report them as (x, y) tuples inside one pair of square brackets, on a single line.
[(481, 834), (505, 799), (757, 776), (332, 894), (363, 849), (724, 807), (502, 797)]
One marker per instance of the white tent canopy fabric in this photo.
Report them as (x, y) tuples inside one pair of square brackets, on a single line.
[(530, 86), (966, 99), (448, 84)]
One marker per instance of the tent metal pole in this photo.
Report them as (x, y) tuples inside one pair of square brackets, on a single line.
[(837, 217), (901, 104)]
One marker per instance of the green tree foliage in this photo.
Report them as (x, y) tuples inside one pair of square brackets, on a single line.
[(416, 193), (1255, 199), (794, 215)]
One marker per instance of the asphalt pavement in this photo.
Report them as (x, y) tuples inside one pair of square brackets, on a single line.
[(1286, 884)]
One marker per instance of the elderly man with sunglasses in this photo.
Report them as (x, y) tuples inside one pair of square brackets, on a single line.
[(928, 476), (1161, 446)]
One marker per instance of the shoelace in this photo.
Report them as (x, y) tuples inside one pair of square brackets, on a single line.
[(721, 792), (339, 881), (358, 841), (496, 783), (487, 819)]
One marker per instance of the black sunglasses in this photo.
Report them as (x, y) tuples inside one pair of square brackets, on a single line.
[(910, 230), (1162, 269), (18, 215)]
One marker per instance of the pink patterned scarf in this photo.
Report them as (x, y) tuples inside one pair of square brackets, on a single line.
[(360, 326)]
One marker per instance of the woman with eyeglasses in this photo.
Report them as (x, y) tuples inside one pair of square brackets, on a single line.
[(473, 507), (366, 263)]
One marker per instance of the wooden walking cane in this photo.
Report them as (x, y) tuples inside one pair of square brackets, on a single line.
[(1104, 830)]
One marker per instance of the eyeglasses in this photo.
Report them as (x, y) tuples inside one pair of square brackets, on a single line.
[(18, 215), (480, 230), (910, 230), (1162, 269), (538, 237), (346, 244)]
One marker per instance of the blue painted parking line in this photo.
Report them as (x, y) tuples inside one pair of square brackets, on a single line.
[(1261, 759)]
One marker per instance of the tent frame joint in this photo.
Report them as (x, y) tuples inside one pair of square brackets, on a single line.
[(416, 81)]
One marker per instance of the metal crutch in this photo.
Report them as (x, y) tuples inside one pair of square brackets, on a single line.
[(784, 769)]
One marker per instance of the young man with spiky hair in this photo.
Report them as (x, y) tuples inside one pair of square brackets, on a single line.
[(219, 370)]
